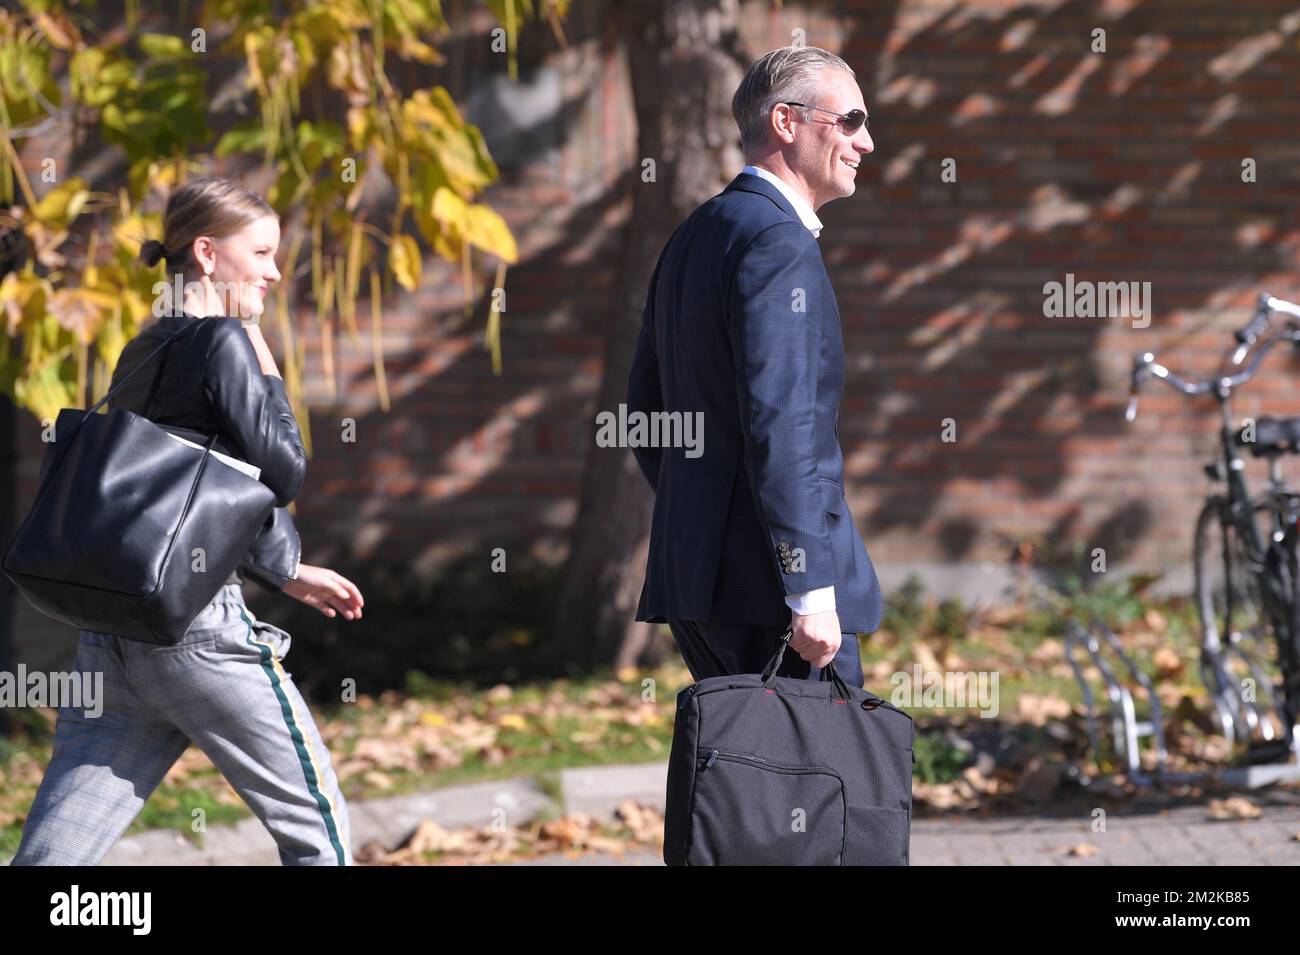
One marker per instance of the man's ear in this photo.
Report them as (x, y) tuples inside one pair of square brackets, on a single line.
[(781, 120)]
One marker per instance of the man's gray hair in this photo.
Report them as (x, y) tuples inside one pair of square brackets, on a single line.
[(791, 73)]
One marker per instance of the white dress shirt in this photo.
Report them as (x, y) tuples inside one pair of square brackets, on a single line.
[(823, 598), (801, 207)]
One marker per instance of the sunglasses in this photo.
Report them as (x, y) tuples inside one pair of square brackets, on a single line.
[(849, 122)]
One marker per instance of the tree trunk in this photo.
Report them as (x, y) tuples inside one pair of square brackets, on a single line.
[(685, 61)]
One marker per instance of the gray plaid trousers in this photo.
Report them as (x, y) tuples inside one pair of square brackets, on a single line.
[(221, 687)]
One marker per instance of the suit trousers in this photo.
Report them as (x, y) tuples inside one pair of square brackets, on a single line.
[(721, 649), (222, 687)]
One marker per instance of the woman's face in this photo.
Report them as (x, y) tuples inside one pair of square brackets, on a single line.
[(245, 262)]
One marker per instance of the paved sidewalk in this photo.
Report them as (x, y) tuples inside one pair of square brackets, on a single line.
[(1180, 836)]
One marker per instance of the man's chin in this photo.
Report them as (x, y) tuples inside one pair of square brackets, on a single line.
[(844, 189)]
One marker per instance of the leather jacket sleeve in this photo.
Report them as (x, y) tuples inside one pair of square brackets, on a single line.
[(274, 556), (253, 408)]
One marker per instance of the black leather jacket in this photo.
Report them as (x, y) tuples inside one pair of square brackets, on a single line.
[(208, 381)]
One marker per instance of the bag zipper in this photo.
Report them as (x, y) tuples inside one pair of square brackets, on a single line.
[(715, 755)]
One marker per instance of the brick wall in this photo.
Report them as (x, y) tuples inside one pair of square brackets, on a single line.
[(1115, 166)]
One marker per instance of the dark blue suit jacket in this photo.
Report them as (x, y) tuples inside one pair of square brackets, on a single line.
[(741, 324)]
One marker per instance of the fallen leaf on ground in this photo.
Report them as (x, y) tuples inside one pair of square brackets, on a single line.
[(1234, 807), (1039, 709)]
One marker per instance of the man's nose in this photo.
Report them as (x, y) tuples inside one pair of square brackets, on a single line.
[(863, 142)]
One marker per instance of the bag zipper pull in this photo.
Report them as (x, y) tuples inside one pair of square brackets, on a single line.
[(713, 758)]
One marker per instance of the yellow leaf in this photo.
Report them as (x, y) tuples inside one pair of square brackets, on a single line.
[(63, 203), (432, 128), (404, 260), (450, 210), (22, 298), (485, 228), (112, 339), (413, 49), (512, 721), (45, 390), (255, 42), (432, 107)]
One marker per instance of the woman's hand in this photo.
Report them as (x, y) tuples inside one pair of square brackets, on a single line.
[(327, 591)]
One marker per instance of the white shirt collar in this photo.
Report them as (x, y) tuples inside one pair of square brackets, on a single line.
[(801, 207)]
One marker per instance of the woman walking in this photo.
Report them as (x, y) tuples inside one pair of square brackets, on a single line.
[(223, 687)]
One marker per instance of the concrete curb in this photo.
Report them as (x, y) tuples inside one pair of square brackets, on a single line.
[(595, 790)]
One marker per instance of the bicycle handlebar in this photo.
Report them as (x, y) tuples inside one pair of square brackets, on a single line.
[(1146, 366), (1247, 334), (1283, 306), (1259, 322)]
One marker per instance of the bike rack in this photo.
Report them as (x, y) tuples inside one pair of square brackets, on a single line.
[(1238, 718), (1096, 641)]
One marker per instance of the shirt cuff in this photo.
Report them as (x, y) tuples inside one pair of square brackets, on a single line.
[(813, 601)]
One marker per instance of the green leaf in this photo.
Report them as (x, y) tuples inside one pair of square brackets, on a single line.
[(163, 46), (246, 138)]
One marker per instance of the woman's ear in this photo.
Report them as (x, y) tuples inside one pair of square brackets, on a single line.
[(205, 254)]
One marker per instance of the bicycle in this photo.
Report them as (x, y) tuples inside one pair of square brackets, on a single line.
[(1253, 543)]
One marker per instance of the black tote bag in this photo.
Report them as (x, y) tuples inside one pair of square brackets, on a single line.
[(131, 532), (769, 770)]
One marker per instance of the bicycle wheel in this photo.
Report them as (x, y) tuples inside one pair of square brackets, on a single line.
[(1228, 599), (1237, 632)]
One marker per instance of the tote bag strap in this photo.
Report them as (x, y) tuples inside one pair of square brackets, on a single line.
[(170, 338), (828, 671)]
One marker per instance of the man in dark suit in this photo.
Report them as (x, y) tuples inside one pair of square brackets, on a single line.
[(751, 532)]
